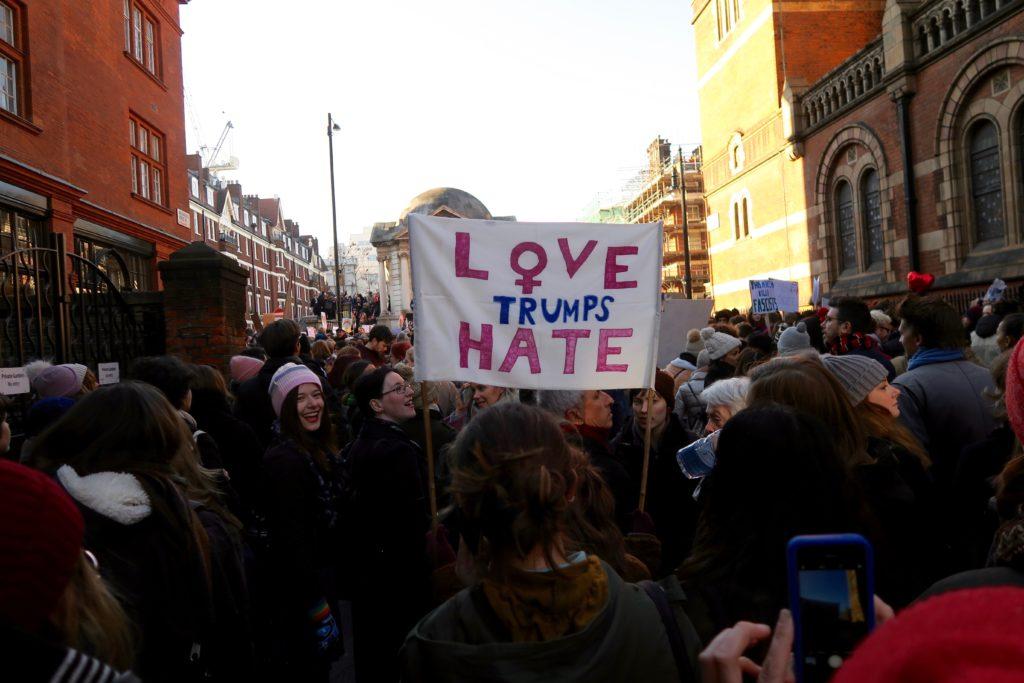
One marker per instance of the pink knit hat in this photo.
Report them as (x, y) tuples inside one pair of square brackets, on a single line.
[(244, 367), (289, 376), (56, 381)]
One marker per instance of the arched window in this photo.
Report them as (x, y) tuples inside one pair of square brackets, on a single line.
[(736, 219), (986, 182), (846, 228), (871, 209), (746, 218)]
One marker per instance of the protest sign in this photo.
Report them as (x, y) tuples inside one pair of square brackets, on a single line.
[(110, 373), (679, 316), (14, 381), (536, 305), (768, 296)]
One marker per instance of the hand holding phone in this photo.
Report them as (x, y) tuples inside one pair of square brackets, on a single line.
[(831, 595)]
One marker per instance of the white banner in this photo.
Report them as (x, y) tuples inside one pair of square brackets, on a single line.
[(536, 305)]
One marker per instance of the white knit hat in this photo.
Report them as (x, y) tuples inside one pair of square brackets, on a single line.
[(718, 343)]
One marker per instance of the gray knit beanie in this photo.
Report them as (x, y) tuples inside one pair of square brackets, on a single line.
[(859, 375), (794, 340), (718, 343), (694, 344)]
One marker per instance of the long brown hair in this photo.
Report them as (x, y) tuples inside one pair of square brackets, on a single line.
[(879, 423), (89, 618), (512, 472), (592, 522), (805, 384), (319, 443), (131, 427)]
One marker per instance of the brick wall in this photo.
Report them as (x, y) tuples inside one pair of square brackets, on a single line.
[(82, 88)]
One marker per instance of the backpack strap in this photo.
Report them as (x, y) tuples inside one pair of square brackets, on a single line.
[(675, 635)]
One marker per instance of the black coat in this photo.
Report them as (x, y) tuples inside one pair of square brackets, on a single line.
[(303, 505), (441, 436), (240, 449), (155, 569), (670, 500), (391, 516), (909, 546), (252, 402), (612, 471)]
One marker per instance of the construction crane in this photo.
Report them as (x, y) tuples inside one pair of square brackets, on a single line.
[(232, 162)]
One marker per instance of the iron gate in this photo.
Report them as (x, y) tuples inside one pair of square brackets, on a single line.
[(62, 307)]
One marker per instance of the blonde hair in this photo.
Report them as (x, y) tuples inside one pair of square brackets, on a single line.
[(90, 619)]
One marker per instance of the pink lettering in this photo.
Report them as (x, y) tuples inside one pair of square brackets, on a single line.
[(573, 264), (528, 281), (462, 268), (483, 345), (604, 350), (570, 337), (523, 344), (612, 268)]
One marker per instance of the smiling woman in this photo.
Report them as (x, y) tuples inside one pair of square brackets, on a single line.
[(391, 588), (302, 508)]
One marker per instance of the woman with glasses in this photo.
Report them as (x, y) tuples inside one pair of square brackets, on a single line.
[(302, 497), (390, 519)]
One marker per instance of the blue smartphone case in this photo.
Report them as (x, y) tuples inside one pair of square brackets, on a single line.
[(798, 543)]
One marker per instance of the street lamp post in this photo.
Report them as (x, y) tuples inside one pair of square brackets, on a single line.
[(688, 288), (331, 127)]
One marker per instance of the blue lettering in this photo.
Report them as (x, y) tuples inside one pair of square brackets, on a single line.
[(603, 315), (506, 302), (526, 309), (589, 304), (552, 316), (571, 309)]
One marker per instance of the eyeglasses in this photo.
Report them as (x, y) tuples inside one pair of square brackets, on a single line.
[(403, 387)]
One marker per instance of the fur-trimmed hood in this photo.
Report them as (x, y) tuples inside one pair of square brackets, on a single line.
[(116, 495)]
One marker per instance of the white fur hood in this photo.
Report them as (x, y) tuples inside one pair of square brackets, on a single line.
[(116, 495)]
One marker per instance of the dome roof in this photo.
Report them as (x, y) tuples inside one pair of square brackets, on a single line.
[(446, 201)]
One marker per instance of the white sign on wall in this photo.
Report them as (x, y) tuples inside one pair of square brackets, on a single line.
[(109, 373), (14, 381)]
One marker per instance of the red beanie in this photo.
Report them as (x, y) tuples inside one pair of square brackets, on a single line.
[(965, 636), (1015, 390), (41, 534)]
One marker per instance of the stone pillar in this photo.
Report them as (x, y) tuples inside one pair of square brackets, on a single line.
[(381, 282), (204, 305), (406, 273)]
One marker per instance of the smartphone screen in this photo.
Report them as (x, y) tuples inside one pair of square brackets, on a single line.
[(835, 605)]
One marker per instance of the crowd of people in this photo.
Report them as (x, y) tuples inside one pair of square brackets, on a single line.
[(362, 309), (189, 525)]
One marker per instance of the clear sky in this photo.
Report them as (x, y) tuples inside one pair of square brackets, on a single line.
[(533, 106)]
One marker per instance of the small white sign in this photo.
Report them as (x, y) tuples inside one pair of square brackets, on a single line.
[(110, 373), (768, 296), (183, 219), (14, 381)]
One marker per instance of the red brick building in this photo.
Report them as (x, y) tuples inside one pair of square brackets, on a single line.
[(92, 134), (913, 152), (285, 268)]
